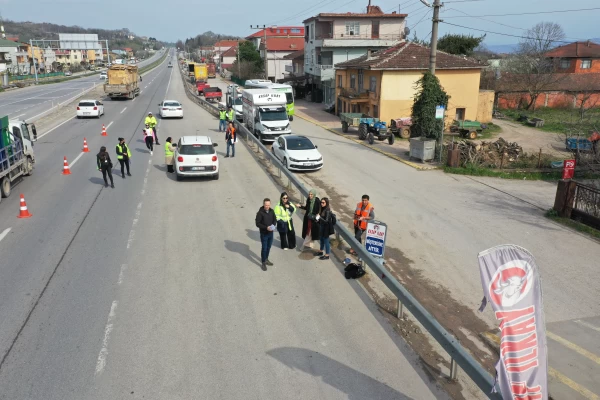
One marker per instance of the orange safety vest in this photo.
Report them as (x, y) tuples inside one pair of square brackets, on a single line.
[(362, 213)]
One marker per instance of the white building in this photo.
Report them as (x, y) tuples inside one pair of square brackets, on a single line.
[(277, 50), (332, 38)]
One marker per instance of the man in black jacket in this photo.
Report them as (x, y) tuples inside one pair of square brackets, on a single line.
[(266, 223)]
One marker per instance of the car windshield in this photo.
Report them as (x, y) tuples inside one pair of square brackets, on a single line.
[(238, 102), (196, 149), (171, 104), (299, 144), (275, 115), (86, 104)]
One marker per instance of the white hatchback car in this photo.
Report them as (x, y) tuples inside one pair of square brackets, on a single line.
[(297, 153), (90, 108), (170, 109), (195, 156), (103, 75)]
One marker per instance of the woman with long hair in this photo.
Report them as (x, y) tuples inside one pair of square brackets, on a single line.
[(105, 165), (284, 211), (325, 229), (310, 229)]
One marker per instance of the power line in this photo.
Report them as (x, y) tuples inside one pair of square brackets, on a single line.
[(527, 13), (502, 34)]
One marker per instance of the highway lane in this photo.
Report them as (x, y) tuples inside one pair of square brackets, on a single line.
[(160, 295), (59, 203), (29, 102)]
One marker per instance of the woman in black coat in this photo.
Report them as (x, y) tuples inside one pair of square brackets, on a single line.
[(310, 230)]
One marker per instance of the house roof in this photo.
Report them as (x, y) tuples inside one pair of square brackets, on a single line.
[(409, 56), (226, 66), (226, 43), (8, 43), (230, 52), (372, 12), (273, 31), (284, 44), (576, 50), (295, 55)]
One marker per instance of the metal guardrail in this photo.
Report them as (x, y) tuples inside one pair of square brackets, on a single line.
[(458, 354)]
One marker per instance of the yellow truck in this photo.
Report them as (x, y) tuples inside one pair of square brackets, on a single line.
[(122, 81), (201, 72)]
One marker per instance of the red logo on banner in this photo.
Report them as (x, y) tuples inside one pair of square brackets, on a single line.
[(568, 169)]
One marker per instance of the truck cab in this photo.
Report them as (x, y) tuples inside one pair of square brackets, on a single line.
[(26, 133), (16, 152), (265, 113)]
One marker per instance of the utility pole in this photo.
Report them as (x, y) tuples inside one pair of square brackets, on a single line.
[(107, 52), (264, 28), (238, 60), (434, 33), (33, 57)]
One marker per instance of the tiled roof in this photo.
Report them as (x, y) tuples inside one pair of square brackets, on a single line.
[(356, 15), (226, 43), (284, 44), (278, 31), (295, 55), (576, 50), (230, 52), (409, 56), (8, 43)]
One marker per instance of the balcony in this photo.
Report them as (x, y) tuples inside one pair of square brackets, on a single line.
[(360, 40), (359, 95)]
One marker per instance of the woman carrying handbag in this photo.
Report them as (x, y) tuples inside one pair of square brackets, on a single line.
[(324, 219)]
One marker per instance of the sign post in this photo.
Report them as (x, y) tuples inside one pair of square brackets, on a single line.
[(375, 239), (439, 114)]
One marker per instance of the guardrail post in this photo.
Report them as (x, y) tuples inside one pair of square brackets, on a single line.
[(453, 369), (400, 312)]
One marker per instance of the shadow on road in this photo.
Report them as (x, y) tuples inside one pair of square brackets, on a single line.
[(243, 250), (355, 384)]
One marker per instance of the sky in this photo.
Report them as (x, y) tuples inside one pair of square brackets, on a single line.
[(171, 20)]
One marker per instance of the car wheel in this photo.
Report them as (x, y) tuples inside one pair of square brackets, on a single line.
[(179, 177), (391, 138), (29, 166)]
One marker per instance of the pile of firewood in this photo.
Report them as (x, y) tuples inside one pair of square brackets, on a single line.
[(488, 154)]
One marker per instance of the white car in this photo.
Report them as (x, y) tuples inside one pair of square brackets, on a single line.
[(170, 109), (297, 153), (195, 156), (90, 108), (103, 75)]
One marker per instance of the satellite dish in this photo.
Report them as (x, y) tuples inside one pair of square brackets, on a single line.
[(406, 31)]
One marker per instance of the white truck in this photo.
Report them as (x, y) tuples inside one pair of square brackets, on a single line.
[(233, 98), (265, 114), (16, 152)]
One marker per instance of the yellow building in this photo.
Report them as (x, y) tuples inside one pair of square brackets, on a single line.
[(382, 84), (37, 52)]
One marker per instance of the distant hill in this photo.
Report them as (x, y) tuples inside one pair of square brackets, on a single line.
[(117, 38), (511, 48)]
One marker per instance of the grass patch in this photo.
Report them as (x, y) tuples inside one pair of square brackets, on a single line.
[(577, 226), (489, 133), (516, 174), (560, 120), (154, 64)]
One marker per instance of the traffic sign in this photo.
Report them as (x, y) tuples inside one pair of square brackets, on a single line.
[(439, 112), (375, 239)]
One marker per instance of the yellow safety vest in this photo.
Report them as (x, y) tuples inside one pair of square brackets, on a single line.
[(120, 152), (282, 215), (168, 151), (222, 115)]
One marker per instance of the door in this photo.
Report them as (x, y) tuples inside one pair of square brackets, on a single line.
[(375, 30), (361, 79)]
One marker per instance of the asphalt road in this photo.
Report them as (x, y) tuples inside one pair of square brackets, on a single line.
[(30, 102), (438, 223), (154, 290)]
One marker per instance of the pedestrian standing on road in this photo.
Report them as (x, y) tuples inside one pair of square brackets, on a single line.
[(169, 152), (326, 229), (312, 208), (222, 119), (149, 139), (284, 211), (123, 155), (230, 138), (151, 121), (266, 222), (230, 115), (364, 212), (105, 165)]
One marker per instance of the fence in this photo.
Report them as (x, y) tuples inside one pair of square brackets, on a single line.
[(40, 76), (586, 208), (459, 356)]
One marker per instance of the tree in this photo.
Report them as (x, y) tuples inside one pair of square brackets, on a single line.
[(459, 44), (246, 70), (416, 40), (249, 53), (529, 69), (429, 95)]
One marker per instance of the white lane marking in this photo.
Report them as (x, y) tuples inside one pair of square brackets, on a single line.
[(580, 322), (133, 99), (75, 160), (145, 86), (169, 84), (21, 114), (108, 126), (130, 239), (123, 110), (4, 233), (141, 91), (101, 363), (123, 268), (62, 123)]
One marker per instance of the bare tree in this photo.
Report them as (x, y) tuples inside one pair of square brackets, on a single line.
[(529, 69)]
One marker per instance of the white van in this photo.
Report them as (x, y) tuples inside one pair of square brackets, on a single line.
[(265, 113)]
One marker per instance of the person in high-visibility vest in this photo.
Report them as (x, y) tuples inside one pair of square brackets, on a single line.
[(222, 119), (169, 153), (364, 212), (151, 121), (230, 114), (123, 155), (285, 225)]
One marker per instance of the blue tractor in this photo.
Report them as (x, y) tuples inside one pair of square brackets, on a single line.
[(368, 128)]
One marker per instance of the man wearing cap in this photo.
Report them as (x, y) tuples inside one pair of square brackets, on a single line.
[(151, 122), (123, 155)]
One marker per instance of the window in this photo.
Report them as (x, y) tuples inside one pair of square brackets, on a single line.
[(375, 111), (586, 64), (361, 80), (306, 31), (373, 84), (375, 30), (565, 63), (296, 30), (460, 114), (352, 81), (312, 32), (75, 57), (339, 81), (278, 30), (352, 28), (17, 132), (196, 149)]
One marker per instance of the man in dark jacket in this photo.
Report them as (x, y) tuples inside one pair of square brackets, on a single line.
[(266, 222)]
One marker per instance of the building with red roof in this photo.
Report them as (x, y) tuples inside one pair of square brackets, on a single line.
[(577, 58)]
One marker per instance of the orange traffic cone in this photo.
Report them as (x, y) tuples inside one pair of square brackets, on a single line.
[(104, 131), (66, 170), (85, 148), (24, 213)]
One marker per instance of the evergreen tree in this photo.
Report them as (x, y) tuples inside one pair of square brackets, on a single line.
[(429, 95)]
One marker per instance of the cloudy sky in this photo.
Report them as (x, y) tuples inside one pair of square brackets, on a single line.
[(176, 19)]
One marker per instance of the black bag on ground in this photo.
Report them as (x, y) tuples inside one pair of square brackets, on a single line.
[(354, 271)]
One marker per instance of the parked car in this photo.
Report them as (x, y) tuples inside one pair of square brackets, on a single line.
[(297, 153), (170, 109), (68, 73), (195, 156), (90, 108)]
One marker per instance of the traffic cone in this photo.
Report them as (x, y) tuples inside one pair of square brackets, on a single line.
[(24, 213), (104, 131), (66, 170), (85, 148)]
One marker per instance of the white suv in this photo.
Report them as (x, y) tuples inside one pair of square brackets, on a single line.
[(196, 157)]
